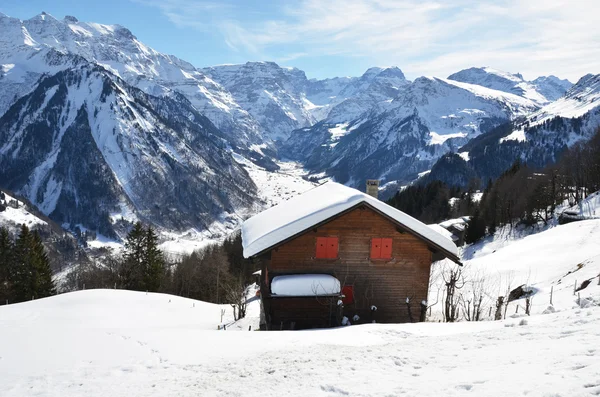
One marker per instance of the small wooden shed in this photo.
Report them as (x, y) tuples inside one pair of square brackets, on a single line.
[(380, 256)]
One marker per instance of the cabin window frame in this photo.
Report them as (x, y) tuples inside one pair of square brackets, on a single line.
[(328, 240), (377, 248)]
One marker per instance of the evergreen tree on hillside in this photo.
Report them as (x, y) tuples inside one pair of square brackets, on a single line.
[(428, 203), (154, 263), (133, 268), (475, 228), (23, 273), (6, 266), (44, 285), (143, 264)]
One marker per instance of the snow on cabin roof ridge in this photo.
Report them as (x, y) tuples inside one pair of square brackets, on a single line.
[(302, 212)]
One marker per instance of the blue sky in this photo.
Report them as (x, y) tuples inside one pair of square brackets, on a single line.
[(345, 37)]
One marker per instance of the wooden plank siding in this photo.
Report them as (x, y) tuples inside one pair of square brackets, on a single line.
[(383, 283)]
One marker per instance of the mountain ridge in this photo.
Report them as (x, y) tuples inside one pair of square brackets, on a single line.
[(377, 125)]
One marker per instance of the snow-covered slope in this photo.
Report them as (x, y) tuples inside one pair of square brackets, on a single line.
[(283, 99), (514, 83), (375, 86), (555, 261), (16, 213), (87, 148), (581, 99), (588, 208), (121, 343), (540, 138)]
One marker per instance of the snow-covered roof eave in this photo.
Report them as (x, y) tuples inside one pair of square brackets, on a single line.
[(294, 217)]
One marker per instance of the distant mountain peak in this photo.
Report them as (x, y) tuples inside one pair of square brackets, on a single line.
[(374, 71), (499, 80)]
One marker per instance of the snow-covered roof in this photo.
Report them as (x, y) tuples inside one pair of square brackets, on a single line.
[(300, 213), (441, 230), (305, 285)]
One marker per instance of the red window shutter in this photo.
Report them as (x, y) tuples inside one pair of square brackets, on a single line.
[(332, 247), (386, 248), (375, 248), (348, 292), (321, 248)]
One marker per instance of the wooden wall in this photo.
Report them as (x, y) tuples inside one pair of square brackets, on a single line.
[(383, 283)]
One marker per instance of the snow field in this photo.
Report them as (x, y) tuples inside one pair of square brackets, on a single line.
[(122, 343), (552, 262)]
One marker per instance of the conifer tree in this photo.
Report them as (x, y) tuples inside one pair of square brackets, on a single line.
[(23, 271), (133, 268), (154, 263), (475, 228), (6, 265), (44, 285)]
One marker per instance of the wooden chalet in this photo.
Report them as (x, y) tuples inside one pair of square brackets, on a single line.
[(335, 252)]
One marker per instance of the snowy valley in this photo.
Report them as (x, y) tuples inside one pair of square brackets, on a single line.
[(140, 233), (245, 124)]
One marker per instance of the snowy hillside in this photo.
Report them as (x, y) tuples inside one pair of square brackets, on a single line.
[(582, 98), (540, 138), (121, 343), (16, 213), (588, 208)]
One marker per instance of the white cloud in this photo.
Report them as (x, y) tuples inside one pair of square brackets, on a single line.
[(428, 37)]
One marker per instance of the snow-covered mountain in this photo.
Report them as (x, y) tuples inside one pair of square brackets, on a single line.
[(376, 86), (398, 138), (282, 99), (535, 91), (26, 53), (551, 87), (88, 149), (232, 123), (275, 96), (538, 139), (579, 100)]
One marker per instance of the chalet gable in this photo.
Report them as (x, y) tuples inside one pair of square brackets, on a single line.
[(320, 205)]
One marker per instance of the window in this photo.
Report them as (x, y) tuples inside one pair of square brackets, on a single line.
[(381, 248), (348, 292), (327, 248)]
